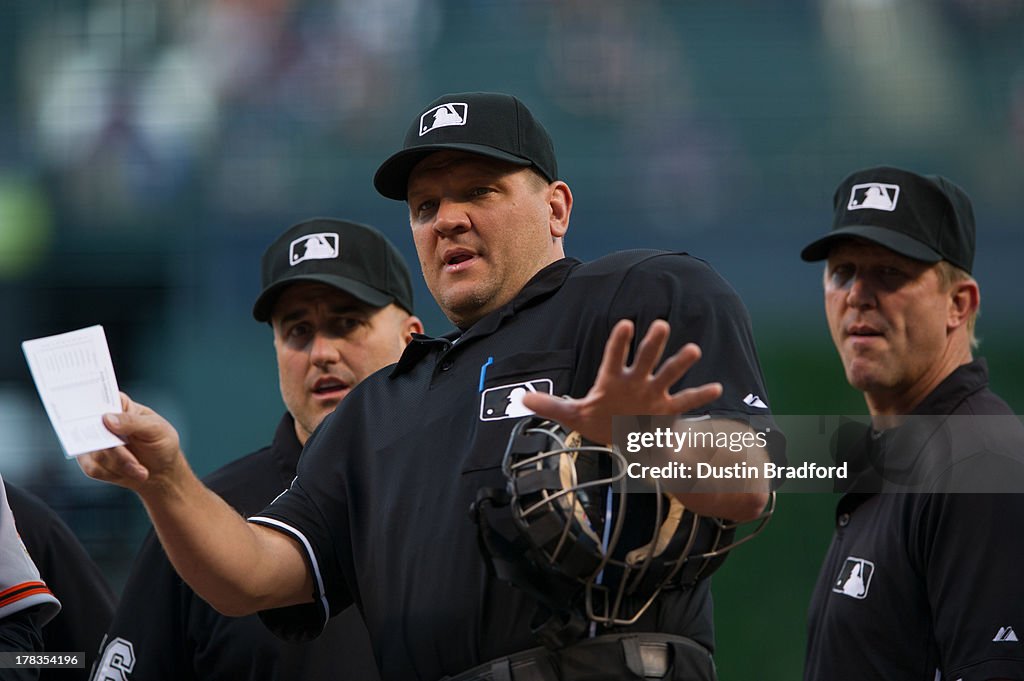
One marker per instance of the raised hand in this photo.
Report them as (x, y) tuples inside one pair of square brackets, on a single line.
[(621, 389)]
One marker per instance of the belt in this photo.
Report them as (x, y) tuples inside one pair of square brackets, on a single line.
[(605, 658)]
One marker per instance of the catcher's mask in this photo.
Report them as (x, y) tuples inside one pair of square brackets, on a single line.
[(561, 530)]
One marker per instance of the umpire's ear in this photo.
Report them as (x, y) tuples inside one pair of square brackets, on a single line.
[(964, 301), (560, 206), (411, 325)]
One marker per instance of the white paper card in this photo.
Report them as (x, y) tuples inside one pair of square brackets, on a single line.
[(76, 383)]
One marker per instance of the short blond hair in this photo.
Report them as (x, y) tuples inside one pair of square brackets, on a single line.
[(950, 274)]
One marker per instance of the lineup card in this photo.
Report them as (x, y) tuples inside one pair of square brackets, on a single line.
[(76, 383)]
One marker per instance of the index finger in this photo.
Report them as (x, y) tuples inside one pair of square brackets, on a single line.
[(616, 348), (116, 465)]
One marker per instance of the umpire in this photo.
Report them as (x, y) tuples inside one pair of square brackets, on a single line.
[(338, 299), (378, 512), (923, 583)]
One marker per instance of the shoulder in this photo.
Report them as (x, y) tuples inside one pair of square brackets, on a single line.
[(66, 567), (985, 422), (984, 402), (965, 513), (645, 270), (644, 260), (248, 482), (30, 512), (38, 524), (659, 284), (243, 467), (629, 277)]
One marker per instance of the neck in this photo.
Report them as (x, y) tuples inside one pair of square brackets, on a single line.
[(889, 409), (300, 433), (464, 318)]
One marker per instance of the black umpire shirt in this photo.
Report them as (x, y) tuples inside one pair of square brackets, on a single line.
[(928, 587), (383, 492), (163, 630), (87, 601)]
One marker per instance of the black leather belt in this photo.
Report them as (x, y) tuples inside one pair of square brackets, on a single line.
[(605, 658)]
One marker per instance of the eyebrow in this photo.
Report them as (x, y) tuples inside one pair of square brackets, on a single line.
[(340, 309), (492, 171)]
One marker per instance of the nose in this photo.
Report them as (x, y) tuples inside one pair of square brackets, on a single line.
[(323, 351), (451, 218), (860, 291)]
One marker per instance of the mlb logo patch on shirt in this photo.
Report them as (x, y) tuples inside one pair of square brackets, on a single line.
[(506, 401), (874, 195), (854, 578), (321, 246), (443, 115)]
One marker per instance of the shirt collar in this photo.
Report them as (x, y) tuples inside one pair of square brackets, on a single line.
[(541, 286), (965, 380), (286, 443), (419, 347), (537, 289)]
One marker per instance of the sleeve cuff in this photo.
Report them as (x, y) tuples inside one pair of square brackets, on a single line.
[(305, 621)]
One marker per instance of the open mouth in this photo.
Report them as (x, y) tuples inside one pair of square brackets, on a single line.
[(328, 387), (456, 260)]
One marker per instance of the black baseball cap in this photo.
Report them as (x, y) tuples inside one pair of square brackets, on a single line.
[(924, 217), (351, 257), (486, 123)]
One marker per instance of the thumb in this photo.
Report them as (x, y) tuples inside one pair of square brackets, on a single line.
[(127, 425), (550, 407), (116, 423), (145, 432)]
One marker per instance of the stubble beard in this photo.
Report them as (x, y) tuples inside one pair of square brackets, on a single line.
[(465, 305)]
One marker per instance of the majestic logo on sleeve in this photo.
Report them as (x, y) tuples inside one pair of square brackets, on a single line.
[(322, 246), (118, 661), (855, 578), (753, 400), (1005, 635), (454, 113), (874, 195), (506, 401)]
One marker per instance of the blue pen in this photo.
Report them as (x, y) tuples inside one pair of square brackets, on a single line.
[(483, 371)]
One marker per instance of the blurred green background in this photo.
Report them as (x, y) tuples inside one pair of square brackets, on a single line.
[(150, 150)]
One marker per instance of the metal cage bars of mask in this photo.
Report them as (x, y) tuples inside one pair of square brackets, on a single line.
[(549, 500)]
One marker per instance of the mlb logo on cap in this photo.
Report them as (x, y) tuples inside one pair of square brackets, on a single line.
[(924, 217), (321, 246), (874, 195), (454, 113), (370, 269), (502, 128)]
